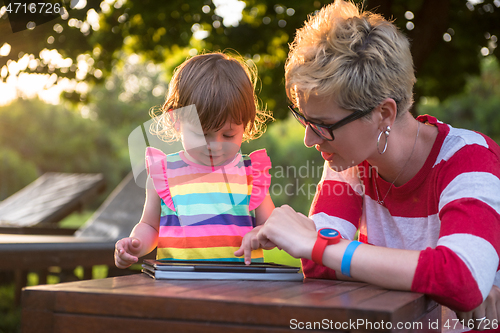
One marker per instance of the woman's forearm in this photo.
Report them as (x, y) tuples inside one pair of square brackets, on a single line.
[(381, 266)]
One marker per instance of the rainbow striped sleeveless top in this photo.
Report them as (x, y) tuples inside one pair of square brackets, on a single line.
[(205, 210)]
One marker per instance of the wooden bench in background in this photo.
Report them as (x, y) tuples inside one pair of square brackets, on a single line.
[(93, 244), (38, 207)]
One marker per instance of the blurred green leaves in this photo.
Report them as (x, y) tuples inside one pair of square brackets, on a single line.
[(36, 138), (477, 108), (447, 37)]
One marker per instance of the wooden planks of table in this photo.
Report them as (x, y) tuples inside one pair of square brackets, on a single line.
[(138, 303)]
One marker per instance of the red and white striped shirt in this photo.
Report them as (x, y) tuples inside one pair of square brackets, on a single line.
[(450, 211)]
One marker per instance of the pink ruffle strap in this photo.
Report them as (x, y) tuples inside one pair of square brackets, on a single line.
[(156, 165), (261, 163)]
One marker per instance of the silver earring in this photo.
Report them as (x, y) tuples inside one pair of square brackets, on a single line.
[(386, 133)]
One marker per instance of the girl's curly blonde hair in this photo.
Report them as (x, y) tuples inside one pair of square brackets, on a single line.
[(221, 87)]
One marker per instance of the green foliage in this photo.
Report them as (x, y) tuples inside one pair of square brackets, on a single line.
[(162, 31), (477, 107), (15, 172), (75, 220), (124, 101), (55, 139)]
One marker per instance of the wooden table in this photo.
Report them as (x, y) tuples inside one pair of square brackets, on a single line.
[(137, 303)]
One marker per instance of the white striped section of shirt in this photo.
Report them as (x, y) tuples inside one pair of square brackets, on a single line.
[(456, 139), (411, 233), (482, 186), (349, 176), (478, 255), (497, 279), (322, 220)]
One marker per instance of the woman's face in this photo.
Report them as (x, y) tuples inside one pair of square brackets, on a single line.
[(354, 142), (212, 147)]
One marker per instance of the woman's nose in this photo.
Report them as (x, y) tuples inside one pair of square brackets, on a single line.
[(311, 138)]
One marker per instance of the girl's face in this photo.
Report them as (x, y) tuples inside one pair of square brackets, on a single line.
[(213, 147), (353, 143)]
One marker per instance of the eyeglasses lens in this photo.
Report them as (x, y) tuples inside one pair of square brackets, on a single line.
[(320, 131)]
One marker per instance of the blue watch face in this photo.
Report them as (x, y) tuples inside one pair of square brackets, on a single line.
[(329, 233)]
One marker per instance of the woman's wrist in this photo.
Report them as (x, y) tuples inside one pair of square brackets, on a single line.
[(309, 245), (333, 255)]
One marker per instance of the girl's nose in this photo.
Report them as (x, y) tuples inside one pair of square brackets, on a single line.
[(310, 138)]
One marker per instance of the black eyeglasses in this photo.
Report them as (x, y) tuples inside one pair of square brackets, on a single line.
[(326, 131)]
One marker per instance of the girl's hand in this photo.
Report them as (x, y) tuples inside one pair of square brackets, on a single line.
[(126, 251), (250, 242), (487, 314), (288, 230)]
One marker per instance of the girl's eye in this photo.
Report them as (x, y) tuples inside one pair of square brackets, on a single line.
[(229, 136)]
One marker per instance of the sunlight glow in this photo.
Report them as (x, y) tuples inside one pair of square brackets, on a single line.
[(8, 93), (230, 10), (93, 19), (78, 4), (47, 87), (5, 49)]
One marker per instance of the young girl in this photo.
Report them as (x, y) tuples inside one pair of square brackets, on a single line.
[(204, 202)]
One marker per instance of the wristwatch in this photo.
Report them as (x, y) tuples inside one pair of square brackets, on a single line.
[(326, 236)]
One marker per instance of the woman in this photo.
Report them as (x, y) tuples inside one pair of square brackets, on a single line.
[(424, 196)]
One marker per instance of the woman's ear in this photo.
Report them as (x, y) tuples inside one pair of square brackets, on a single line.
[(388, 110)]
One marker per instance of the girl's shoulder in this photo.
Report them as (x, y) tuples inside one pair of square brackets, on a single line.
[(258, 160), (258, 169), (155, 155)]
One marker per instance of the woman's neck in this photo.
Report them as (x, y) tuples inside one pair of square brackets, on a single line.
[(409, 145)]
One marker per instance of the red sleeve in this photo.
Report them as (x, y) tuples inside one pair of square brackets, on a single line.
[(315, 271), (443, 276), (338, 206), (460, 271)]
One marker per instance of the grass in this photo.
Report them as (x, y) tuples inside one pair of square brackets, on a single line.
[(75, 221), (10, 315), (280, 257)]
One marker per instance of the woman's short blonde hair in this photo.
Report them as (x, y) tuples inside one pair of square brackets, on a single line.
[(357, 58), (221, 86)]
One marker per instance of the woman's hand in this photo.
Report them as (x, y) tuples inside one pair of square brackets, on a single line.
[(126, 252), (249, 243), (290, 231), (487, 315)]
